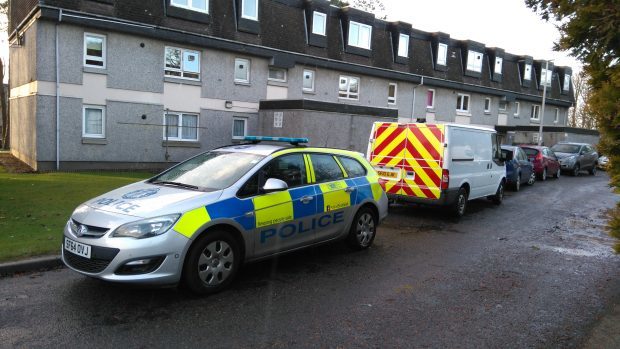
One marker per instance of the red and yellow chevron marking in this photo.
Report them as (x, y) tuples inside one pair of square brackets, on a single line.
[(416, 149)]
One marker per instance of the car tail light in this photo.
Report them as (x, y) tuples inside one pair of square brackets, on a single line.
[(539, 156), (445, 179)]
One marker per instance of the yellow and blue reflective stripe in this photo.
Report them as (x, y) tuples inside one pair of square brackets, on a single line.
[(341, 167), (191, 221), (334, 196), (273, 208)]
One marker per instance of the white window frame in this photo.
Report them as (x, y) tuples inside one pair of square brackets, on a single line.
[(517, 109), (319, 30), (348, 92), (535, 112), (360, 26), (244, 15), (442, 54), (567, 79), (245, 127), (459, 107), (304, 89), (535, 137), (499, 62), (474, 61), (392, 100), (247, 79), (556, 116), (487, 110), (277, 80), (546, 76), (182, 70), (527, 74), (190, 6), (432, 106), (101, 59), (179, 126), (403, 45), (103, 117)]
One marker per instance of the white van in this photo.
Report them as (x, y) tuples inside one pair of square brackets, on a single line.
[(438, 164)]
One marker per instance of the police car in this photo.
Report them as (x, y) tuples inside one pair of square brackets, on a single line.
[(197, 222)]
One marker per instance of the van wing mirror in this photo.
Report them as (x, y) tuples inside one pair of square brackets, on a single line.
[(273, 185), (504, 156)]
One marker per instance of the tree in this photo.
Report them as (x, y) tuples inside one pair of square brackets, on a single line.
[(589, 31), (373, 6)]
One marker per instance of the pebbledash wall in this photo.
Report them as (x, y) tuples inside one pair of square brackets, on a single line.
[(134, 93)]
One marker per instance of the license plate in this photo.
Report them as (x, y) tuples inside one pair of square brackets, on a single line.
[(387, 174), (77, 248)]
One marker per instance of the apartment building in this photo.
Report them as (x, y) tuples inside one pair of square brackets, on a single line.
[(140, 84)]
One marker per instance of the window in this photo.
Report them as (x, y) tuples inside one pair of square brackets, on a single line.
[(239, 128), (352, 166), (503, 105), (94, 50), (528, 72), (326, 169), (359, 35), (319, 22), (498, 65), (487, 105), (308, 80), (181, 127), (93, 123), (392, 90), (442, 53), (430, 99), (242, 70), (535, 138), (566, 82), (545, 77), (182, 63), (288, 168), (517, 109), (474, 61), (403, 45), (462, 103), (556, 116), (349, 87), (535, 112), (194, 5), (277, 74), (249, 9)]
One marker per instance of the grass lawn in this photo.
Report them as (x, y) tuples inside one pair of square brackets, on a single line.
[(35, 207)]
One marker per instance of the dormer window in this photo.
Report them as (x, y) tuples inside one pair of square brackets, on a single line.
[(545, 77), (319, 21), (566, 86), (498, 65), (474, 61), (249, 9), (194, 5), (442, 54), (403, 45), (528, 72), (359, 35)]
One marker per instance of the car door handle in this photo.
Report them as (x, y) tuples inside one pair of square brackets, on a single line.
[(349, 189), (306, 199), (249, 214)]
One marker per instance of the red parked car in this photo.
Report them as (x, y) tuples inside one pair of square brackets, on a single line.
[(545, 162)]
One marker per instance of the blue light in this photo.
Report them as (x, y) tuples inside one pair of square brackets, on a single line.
[(294, 141)]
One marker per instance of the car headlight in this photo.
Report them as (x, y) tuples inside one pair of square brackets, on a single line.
[(146, 228)]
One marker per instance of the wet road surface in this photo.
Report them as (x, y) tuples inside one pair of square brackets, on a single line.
[(537, 271)]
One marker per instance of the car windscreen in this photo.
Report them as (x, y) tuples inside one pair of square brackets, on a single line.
[(565, 148), (530, 152), (213, 170)]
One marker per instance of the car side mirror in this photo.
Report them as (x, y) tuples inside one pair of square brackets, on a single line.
[(273, 185)]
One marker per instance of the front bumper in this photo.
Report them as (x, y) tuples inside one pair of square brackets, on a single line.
[(109, 254)]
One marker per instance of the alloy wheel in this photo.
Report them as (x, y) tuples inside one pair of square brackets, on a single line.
[(215, 263)]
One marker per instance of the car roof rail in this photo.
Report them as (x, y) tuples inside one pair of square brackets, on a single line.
[(292, 140)]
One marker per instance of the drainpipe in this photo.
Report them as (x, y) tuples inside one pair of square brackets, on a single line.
[(58, 95), (413, 103)]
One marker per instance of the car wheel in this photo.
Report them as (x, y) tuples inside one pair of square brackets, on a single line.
[(576, 170), (212, 263), (460, 205), (363, 229), (532, 179), (517, 185), (557, 174), (543, 175), (499, 194), (593, 171)]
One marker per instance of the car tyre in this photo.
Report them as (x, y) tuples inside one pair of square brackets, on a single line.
[(499, 194), (557, 174), (517, 185), (543, 175), (532, 179), (593, 171), (576, 170), (212, 263), (363, 229), (460, 205)]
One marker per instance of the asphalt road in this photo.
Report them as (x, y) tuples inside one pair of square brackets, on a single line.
[(537, 271)]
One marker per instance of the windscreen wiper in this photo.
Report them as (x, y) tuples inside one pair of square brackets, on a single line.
[(177, 184)]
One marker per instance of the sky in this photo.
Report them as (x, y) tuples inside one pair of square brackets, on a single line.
[(507, 24)]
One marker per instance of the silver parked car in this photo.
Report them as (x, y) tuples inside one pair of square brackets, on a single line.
[(575, 157), (200, 220)]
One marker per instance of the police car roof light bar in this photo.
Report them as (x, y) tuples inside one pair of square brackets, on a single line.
[(291, 140)]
